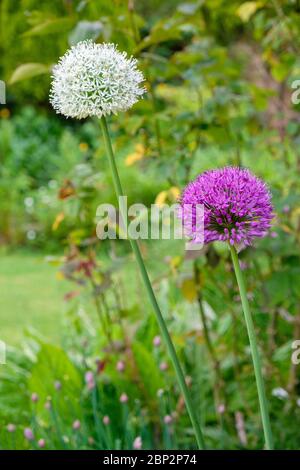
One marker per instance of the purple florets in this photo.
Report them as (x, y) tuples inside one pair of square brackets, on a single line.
[(237, 206)]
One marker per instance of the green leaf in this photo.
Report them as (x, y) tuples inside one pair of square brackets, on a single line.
[(85, 30), (53, 365), (51, 26), (148, 370), (161, 33), (247, 9), (25, 71)]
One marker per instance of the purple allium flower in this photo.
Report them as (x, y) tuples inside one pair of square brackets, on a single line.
[(237, 206), (11, 427), (76, 425), (137, 443), (28, 434), (41, 443)]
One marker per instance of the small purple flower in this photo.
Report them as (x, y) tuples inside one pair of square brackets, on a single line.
[(168, 419), (76, 425), (11, 427), (90, 380), (286, 209), (243, 265), (106, 420), (163, 366), (156, 341), (123, 398), (237, 206), (137, 443), (41, 443), (57, 385), (34, 397), (28, 434), (221, 409), (120, 366)]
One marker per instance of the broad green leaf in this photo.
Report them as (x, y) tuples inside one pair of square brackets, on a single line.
[(51, 26), (247, 9), (148, 370), (53, 365), (85, 30), (25, 71)]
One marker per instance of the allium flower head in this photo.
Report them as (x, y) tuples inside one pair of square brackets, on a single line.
[(237, 206), (95, 80)]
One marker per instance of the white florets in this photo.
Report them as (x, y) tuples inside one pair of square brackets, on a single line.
[(95, 80)]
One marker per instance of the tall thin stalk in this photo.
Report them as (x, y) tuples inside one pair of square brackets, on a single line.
[(254, 351), (144, 274)]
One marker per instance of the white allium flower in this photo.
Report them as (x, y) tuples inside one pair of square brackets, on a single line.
[(95, 80)]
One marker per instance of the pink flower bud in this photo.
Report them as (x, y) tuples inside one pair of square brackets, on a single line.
[(57, 385), (41, 443), (156, 341), (137, 443), (89, 380), (120, 366), (123, 398), (76, 425), (106, 420), (221, 409), (168, 419), (163, 366), (34, 397), (28, 434), (11, 427)]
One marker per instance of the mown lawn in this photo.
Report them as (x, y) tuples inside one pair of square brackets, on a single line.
[(31, 297)]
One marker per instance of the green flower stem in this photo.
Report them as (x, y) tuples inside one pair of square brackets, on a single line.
[(254, 351), (144, 274)]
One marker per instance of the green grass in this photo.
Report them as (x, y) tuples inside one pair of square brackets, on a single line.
[(31, 297)]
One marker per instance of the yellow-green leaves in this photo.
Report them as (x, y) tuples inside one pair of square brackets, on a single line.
[(29, 70)]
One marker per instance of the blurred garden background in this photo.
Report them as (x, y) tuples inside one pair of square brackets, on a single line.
[(85, 366)]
